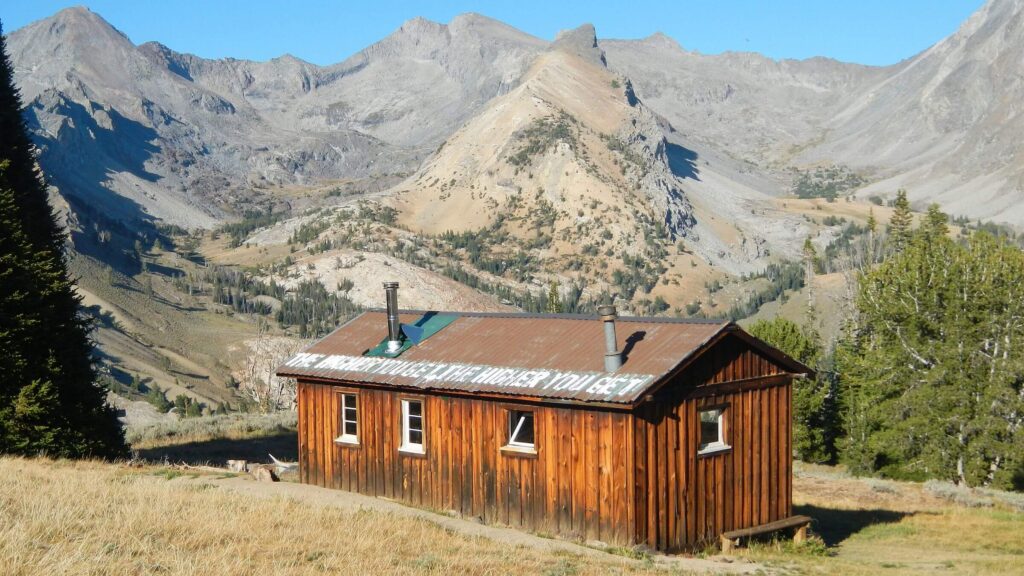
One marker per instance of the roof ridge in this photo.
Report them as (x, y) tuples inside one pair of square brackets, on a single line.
[(559, 316)]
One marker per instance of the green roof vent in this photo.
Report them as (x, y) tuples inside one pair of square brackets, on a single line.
[(403, 336), (413, 334)]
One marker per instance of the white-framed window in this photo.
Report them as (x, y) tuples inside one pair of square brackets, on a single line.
[(412, 426), (712, 430), (520, 429), (349, 419)]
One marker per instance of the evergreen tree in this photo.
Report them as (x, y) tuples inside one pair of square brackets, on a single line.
[(810, 259), (901, 222), (554, 301), (50, 400), (799, 343), (936, 222), (872, 228), (158, 399), (932, 368)]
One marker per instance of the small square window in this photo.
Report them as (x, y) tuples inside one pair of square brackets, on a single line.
[(712, 430), (349, 419), (412, 426), (520, 429)]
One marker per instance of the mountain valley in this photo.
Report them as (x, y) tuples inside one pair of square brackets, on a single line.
[(213, 204)]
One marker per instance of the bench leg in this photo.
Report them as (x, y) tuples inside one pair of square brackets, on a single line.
[(727, 545), (801, 535)]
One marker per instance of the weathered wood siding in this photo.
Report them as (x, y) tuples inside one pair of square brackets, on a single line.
[(577, 485), (615, 476), (684, 499)]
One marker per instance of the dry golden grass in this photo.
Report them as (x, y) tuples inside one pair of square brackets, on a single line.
[(59, 517), (885, 527), (231, 426), (94, 518)]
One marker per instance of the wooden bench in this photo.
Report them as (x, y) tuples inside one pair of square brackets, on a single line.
[(732, 538)]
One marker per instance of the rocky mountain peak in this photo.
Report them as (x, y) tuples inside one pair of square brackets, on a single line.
[(76, 25), (475, 20), (68, 50), (421, 25), (164, 57), (581, 41), (219, 125), (664, 41), (480, 26)]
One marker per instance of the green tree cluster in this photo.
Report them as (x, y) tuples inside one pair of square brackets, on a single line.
[(187, 407), (933, 364), (826, 182), (50, 399), (158, 398)]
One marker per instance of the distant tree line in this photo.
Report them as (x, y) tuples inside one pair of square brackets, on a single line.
[(826, 182), (251, 221), (309, 307), (476, 244), (781, 277)]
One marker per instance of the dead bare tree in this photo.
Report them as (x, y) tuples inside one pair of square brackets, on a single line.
[(264, 354)]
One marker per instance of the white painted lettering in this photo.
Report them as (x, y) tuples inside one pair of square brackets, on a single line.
[(596, 384)]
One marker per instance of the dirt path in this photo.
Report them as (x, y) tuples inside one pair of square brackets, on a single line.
[(352, 502)]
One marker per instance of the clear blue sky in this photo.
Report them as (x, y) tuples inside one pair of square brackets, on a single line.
[(322, 31)]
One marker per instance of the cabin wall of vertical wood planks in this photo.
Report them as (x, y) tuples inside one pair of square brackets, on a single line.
[(598, 474), (576, 485), (684, 499)]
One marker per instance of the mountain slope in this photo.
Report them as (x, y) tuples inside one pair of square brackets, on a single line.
[(946, 124), (409, 89), (481, 165), (572, 158), (170, 136), (746, 105), (157, 134)]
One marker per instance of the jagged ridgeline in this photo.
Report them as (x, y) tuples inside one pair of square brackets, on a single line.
[(487, 169), (579, 181)]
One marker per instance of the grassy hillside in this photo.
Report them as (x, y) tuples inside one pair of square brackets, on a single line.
[(149, 331), (871, 526), (216, 439), (93, 518), (65, 517)]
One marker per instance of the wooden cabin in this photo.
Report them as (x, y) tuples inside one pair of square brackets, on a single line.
[(654, 431)]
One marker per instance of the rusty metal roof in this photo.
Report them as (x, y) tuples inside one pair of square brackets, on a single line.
[(557, 356)]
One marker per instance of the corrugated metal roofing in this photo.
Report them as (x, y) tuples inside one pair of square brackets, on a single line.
[(569, 348)]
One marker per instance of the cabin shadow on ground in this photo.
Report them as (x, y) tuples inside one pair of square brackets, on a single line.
[(835, 525), (284, 447)]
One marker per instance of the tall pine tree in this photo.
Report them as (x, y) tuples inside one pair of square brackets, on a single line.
[(49, 399), (553, 304), (901, 222)]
